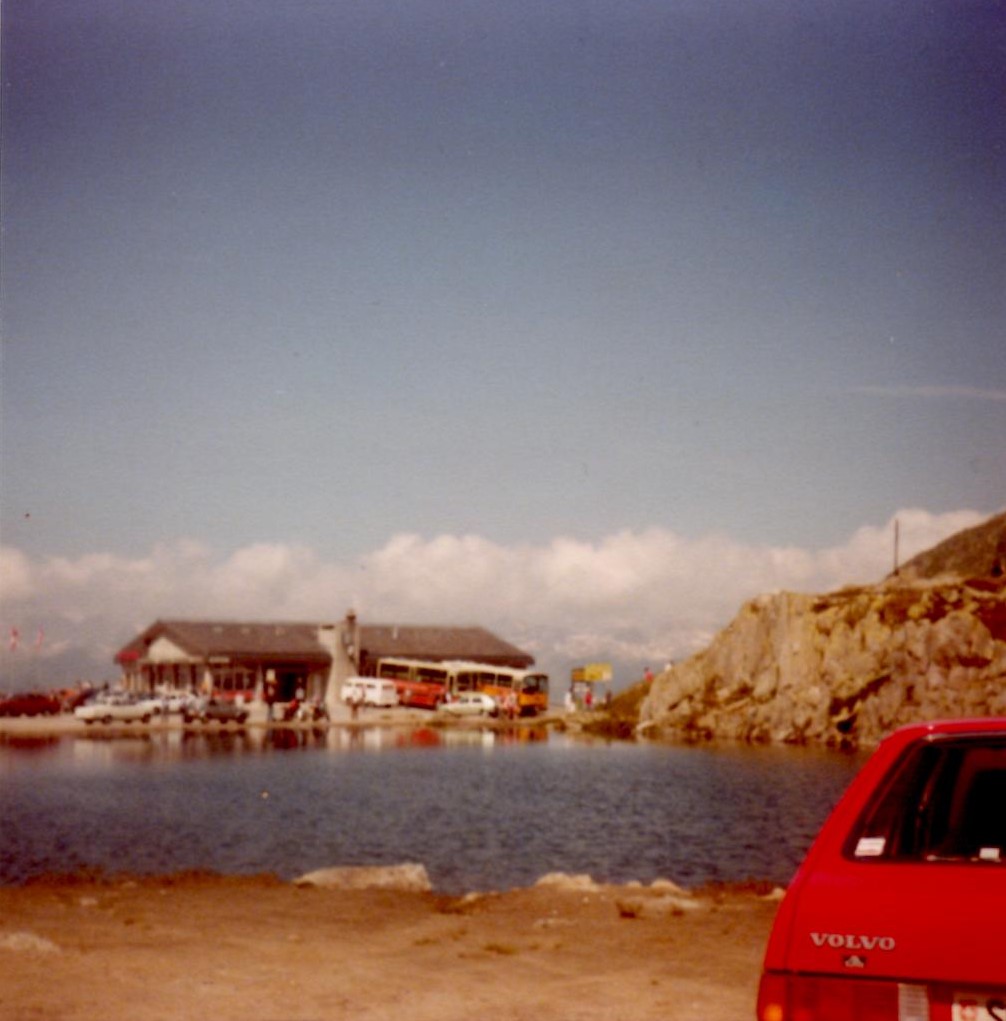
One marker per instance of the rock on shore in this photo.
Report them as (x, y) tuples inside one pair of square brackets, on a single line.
[(409, 877)]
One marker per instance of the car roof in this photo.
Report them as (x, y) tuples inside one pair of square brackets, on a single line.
[(938, 728), (978, 724)]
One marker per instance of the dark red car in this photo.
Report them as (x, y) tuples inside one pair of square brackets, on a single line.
[(898, 912), (30, 703)]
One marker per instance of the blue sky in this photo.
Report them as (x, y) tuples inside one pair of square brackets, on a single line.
[(308, 283)]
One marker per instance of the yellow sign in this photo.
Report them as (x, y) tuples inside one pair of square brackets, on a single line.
[(592, 673)]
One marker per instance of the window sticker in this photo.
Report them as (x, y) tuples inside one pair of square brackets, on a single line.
[(870, 847)]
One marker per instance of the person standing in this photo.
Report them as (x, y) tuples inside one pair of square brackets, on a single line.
[(511, 706)]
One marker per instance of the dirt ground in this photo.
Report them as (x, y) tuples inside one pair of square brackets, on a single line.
[(258, 949)]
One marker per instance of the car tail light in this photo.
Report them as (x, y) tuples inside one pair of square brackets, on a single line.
[(784, 997)]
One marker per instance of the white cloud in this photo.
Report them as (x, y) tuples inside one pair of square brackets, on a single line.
[(632, 597), (15, 574)]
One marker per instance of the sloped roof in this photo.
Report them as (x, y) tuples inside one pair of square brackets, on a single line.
[(439, 643), (290, 641), (274, 641)]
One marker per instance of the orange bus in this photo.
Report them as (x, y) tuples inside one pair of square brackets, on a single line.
[(529, 688)]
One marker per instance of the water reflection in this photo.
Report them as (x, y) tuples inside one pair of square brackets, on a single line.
[(92, 748), (481, 808), (29, 742)]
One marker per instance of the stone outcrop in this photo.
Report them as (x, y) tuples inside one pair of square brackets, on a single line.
[(842, 669)]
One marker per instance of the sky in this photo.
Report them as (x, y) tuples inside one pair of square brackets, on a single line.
[(582, 321)]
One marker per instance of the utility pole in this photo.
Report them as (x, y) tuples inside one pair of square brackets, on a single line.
[(897, 537)]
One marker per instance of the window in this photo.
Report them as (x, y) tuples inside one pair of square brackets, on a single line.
[(495, 680), (394, 671), (945, 801), (465, 681), (535, 684)]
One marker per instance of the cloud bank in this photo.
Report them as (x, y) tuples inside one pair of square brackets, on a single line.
[(633, 598)]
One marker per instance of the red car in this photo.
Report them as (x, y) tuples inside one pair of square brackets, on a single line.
[(30, 703), (898, 912)]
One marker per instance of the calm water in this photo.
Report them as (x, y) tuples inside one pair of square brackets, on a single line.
[(480, 812)]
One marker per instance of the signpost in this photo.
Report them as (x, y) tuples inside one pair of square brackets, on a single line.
[(584, 678)]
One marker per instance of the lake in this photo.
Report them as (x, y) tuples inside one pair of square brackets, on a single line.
[(481, 810)]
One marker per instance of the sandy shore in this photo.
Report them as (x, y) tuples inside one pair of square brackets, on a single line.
[(235, 949)]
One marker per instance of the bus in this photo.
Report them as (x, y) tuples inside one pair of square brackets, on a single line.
[(427, 684), (419, 683), (528, 688)]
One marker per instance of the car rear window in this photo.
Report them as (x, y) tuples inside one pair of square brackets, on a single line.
[(945, 800)]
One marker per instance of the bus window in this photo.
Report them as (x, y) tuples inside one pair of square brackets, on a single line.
[(465, 680), (393, 671)]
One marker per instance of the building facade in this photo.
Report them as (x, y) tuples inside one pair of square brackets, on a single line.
[(277, 661)]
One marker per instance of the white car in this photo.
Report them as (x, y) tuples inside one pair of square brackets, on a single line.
[(114, 707), (170, 702), (470, 703)]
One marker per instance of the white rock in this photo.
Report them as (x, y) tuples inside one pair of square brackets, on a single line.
[(572, 884), (659, 906), (666, 886), (409, 877)]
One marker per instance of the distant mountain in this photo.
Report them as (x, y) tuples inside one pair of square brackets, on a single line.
[(978, 552)]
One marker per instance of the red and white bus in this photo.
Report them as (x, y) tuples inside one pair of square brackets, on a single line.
[(419, 683)]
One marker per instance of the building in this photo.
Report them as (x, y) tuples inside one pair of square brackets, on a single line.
[(227, 657), (280, 659)]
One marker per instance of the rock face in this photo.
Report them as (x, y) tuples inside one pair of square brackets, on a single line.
[(842, 669), (978, 552)]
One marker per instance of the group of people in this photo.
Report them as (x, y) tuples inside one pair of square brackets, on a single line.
[(575, 701), (581, 694), (298, 708)]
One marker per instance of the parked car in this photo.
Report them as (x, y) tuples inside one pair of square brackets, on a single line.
[(113, 707), (169, 702), (215, 710), (153, 704), (70, 698), (897, 910), (179, 701), (372, 691), (470, 703), (29, 703)]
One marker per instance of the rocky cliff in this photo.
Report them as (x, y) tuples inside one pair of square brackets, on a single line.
[(845, 668)]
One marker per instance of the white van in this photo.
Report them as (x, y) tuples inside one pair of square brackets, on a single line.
[(369, 691)]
